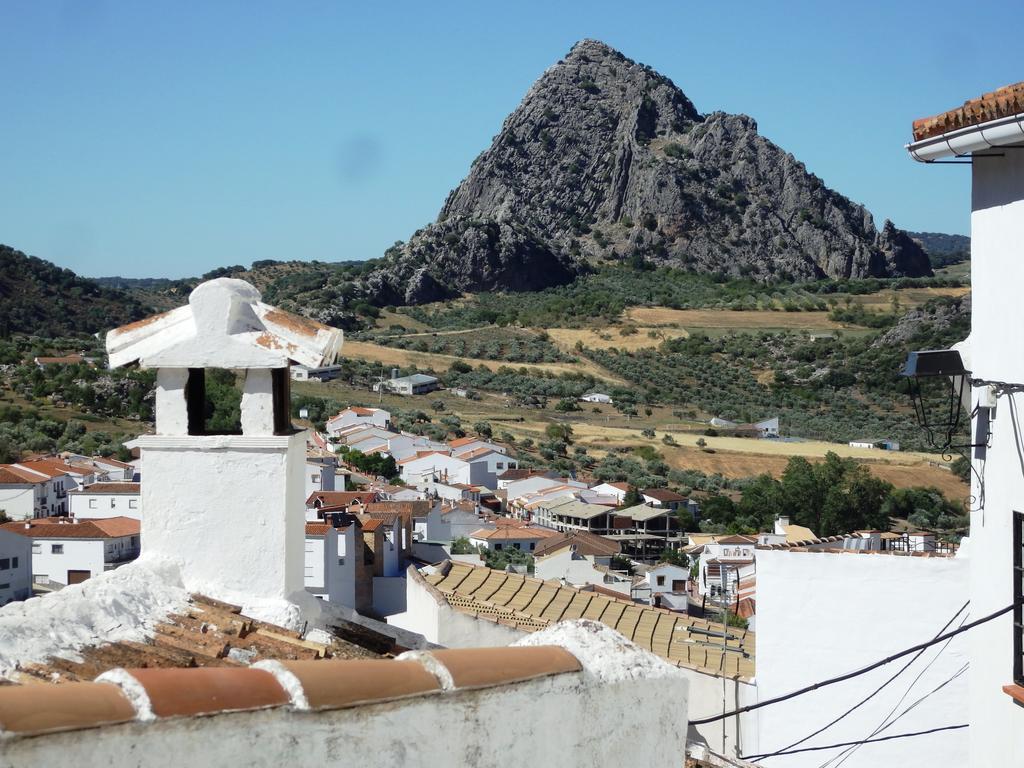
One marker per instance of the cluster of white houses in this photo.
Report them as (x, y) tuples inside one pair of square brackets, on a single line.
[(70, 518)]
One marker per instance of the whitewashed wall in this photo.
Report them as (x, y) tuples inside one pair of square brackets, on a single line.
[(87, 506), (78, 555), (823, 614), (15, 580), (19, 503), (996, 353)]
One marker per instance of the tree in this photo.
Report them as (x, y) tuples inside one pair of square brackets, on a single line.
[(461, 546), (559, 431), (632, 497), (483, 429), (437, 405)]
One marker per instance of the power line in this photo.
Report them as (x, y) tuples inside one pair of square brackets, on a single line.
[(863, 701), (888, 721), (849, 675), (874, 741)]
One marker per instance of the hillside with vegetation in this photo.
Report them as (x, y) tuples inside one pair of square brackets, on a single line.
[(40, 298)]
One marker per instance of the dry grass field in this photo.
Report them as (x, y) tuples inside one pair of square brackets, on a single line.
[(425, 360), (730, 320), (567, 338), (908, 297)]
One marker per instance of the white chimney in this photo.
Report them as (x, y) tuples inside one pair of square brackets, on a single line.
[(202, 485), (780, 525)]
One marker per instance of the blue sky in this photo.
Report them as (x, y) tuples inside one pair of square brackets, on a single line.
[(167, 138)]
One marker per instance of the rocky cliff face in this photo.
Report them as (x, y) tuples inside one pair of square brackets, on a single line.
[(607, 160)]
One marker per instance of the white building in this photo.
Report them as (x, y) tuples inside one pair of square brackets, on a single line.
[(321, 475), (434, 467), (68, 551), (358, 416), (882, 444), (416, 384), (665, 578), (320, 373), (988, 130), (259, 470), (106, 500), (505, 537), (597, 397), (15, 567)]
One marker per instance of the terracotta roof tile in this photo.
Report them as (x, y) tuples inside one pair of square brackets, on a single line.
[(108, 488), (68, 528), (1003, 102)]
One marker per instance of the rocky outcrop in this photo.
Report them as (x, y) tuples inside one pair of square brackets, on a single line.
[(932, 319), (607, 160)]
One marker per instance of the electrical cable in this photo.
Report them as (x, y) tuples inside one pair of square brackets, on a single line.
[(863, 701), (875, 741), (888, 720), (856, 673)]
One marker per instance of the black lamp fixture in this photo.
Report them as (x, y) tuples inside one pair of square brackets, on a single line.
[(937, 381)]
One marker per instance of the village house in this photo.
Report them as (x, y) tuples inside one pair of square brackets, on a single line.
[(15, 567), (68, 551), (596, 397), (663, 497), (665, 579), (510, 534), (416, 384), (646, 531), (358, 416), (580, 558), (31, 489), (106, 500), (884, 444), (510, 476), (446, 523), (321, 473), (320, 373)]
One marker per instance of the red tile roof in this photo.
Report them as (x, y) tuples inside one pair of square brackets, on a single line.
[(340, 498), (662, 494), (14, 476), (509, 533), (74, 359), (586, 544), (370, 524), (47, 467), (108, 488), (464, 441), (317, 529), (1003, 102), (66, 528)]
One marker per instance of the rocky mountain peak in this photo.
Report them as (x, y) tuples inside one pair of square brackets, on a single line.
[(607, 160)]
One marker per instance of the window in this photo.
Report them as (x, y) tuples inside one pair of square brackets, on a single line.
[(56, 549), (92, 503), (5, 586), (517, 545), (14, 563), (1018, 596), (497, 547), (133, 503), (341, 561), (661, 581), (37, 548), (5, 563), (113, 503), (532, 545), (500, 465)]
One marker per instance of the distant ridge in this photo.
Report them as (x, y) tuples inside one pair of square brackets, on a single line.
[(40, 298)]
